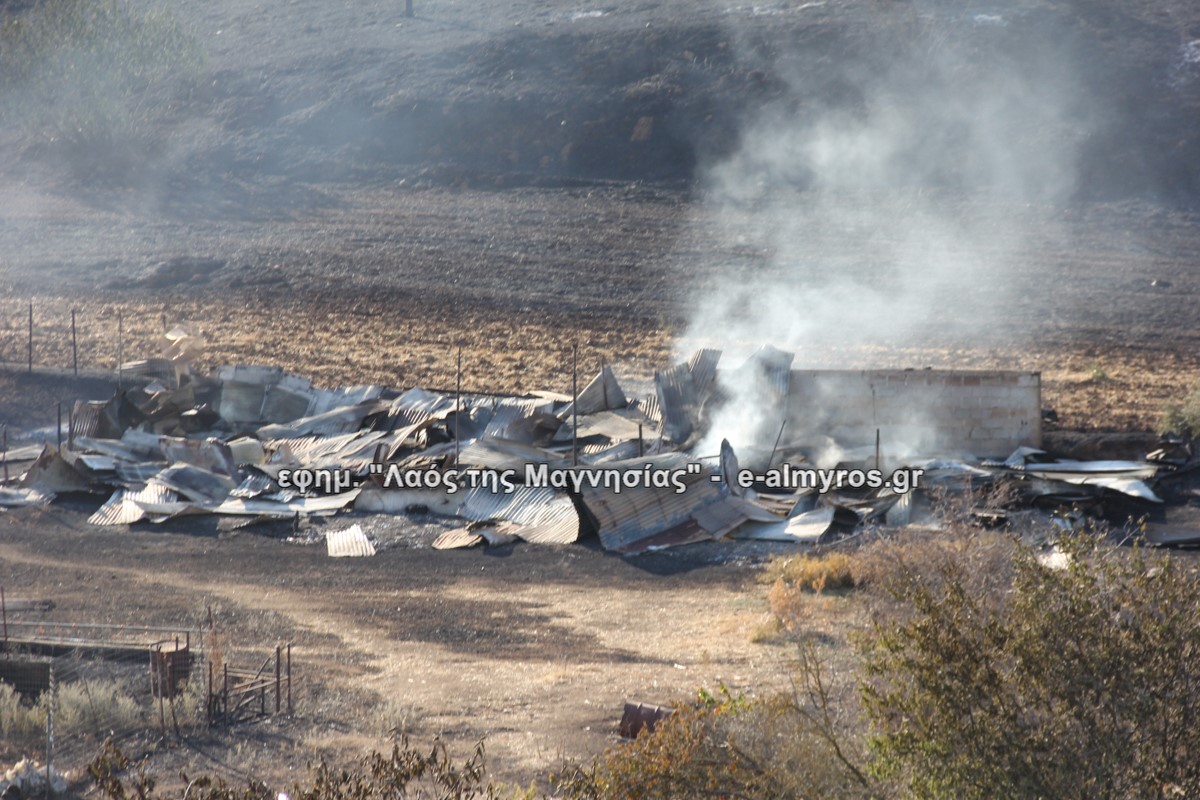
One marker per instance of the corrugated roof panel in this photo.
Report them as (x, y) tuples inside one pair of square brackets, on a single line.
[(417, 405), (546, 516), (344, 419), (509, 412), (623, 518), (350, 543), (85, 417), (677, 401), (16, 498), (126, 507), (329, 399), (287, 400), (703, 366), (255, 484), (501, 454), (195, 483), (601, 394), (138, 473), (611, 425), (457, 539), (648, 405)]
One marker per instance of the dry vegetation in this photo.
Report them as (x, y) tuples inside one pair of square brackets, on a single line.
[(340, 340)]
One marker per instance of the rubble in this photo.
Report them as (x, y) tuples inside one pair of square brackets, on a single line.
[(28, 778), (255, 442)]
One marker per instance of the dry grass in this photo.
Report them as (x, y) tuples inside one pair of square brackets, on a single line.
[(792, 580), (343, 341)]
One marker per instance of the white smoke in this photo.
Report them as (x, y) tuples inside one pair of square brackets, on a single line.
[(892, 218)]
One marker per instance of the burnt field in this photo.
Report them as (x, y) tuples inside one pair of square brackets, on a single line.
[(356, 196)]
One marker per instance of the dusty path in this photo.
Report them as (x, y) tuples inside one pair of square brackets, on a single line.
[(535, 650)]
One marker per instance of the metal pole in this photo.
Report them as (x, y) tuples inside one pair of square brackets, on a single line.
[(208, 704), (5, 451), (225, 697), (58, 430), (50, 728), (277, 648), (162, 690), (575, 404), (457, 403), (778, 439), (74, 346), (4, 611), (289, 676), (120, 346), (877, 448), (641, 447), (31, 336), (71, 429)]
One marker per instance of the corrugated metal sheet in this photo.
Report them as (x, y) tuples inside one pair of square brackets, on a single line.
[(677, 402), (545, 516), (648, 405), (17, 498), (255, 484), (703, 366), (417, 405), (211, 454), (806, 528), (345, 419), (287, 400), (194, 483), (311, 451), (138, 473), (330, 399), (603, 453), (775, 366), (601, 394), (508, 415), (625, 519), (122, 451), (126, 507), (501, 454), (85, 417), (457, 539), (51, 474), (609, 424), (350, 543)]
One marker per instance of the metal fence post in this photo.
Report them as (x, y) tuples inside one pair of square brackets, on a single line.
[(50, 728)]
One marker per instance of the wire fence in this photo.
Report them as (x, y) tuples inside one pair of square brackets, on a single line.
[(67, 687), (52, 333)]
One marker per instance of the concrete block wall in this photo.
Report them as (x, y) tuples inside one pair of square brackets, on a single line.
[(919, 412)]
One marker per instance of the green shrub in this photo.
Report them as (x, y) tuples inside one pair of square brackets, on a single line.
[(1081, 682), (1183, 418)]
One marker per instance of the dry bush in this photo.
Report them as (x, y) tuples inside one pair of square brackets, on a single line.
[(790, 745), (403, 774), (80, 707), (792, 578), (21, 723), (984, 558)]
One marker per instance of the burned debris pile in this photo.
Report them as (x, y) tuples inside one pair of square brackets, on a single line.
[(255, 443)]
